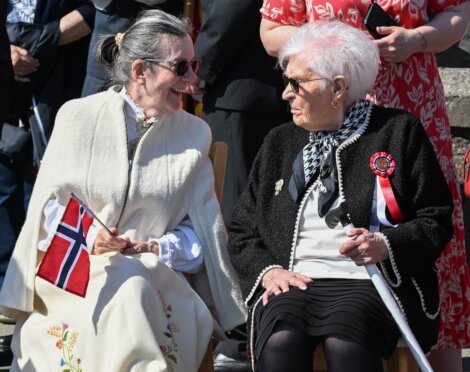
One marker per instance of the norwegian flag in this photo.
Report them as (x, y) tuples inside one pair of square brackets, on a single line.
[(66, 263)]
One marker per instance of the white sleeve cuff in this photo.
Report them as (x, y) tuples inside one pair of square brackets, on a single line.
[(53, 212), (165, 252), (180, 249)]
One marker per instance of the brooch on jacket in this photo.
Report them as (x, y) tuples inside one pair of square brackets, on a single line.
[(278, 186)]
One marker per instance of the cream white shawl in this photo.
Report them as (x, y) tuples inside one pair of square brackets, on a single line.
[(171, 178)]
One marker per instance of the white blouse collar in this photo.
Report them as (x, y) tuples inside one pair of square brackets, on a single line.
[(139, 114)]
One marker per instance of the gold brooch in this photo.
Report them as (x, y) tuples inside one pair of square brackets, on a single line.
[(278, 187), (144, 123)]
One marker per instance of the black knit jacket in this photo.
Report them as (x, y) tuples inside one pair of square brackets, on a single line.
[(263, 228)]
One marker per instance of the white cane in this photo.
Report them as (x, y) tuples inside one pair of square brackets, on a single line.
[(336, 215)]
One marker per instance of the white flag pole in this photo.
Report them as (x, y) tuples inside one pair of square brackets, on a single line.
[(391, 304), (338, 214)]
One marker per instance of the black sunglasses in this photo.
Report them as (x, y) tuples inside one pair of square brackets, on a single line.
[(295, 83), (180, 66)]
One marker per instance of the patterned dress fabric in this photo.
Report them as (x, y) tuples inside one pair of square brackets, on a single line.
[(21, 11), (413, 85)]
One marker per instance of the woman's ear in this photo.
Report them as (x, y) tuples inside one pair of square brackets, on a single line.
[(340, 86), (138, 71)]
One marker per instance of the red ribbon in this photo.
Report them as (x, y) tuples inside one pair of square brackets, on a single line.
[(392, 204)]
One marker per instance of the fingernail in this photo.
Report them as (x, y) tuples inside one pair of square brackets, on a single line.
[(303, 287)]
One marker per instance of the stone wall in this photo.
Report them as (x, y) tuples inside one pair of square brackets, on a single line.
[(457, 89), (456, 82)]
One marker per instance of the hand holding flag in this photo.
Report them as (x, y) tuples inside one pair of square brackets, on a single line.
[(66, 263)]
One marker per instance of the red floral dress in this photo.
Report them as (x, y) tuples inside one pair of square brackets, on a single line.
[(414, 85)]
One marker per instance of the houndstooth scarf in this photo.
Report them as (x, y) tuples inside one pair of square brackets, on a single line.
[(307, 163)]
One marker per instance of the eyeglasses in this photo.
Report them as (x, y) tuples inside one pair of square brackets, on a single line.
[(180, 66), (295, 83)]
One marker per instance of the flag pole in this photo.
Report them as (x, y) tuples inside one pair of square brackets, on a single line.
[(339, 214), (72, 195)]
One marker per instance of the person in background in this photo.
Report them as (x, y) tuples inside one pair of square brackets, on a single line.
[(408, 79), (48, 51), (113, 16), (6, 77), (6, 69), (241, 100), (49, 45), (141, 164), (302, 276), (241, 103)]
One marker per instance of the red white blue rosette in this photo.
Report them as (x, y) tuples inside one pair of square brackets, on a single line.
[(383, 166)]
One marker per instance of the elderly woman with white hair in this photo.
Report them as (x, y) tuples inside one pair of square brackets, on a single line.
[(141, 164), (303, 279)]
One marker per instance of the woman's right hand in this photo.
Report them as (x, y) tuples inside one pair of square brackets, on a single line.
[(398, 43), (277, 281), (105, 242)]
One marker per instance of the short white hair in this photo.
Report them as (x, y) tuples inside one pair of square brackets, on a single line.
[(332, 48)]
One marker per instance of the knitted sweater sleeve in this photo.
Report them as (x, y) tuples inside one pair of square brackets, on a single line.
[(424, 197), (250, 254)]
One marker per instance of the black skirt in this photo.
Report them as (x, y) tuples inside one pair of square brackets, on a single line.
[(348, 309)]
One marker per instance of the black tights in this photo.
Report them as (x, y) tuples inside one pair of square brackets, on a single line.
[(289, 349)]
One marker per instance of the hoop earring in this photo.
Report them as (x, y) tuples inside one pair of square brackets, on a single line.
[(334, 104)]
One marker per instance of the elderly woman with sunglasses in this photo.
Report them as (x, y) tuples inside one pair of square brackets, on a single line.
[(343, 160), (141, 164)]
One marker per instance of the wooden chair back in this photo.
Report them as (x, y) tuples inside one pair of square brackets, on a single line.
[(218, 155)]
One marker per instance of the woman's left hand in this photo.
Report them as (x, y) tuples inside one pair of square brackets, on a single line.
[(364, 247), (109, 241), (398, 44), (143, 247)]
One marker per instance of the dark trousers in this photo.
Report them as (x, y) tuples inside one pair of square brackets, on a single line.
[(16, 185), (243, 131)]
